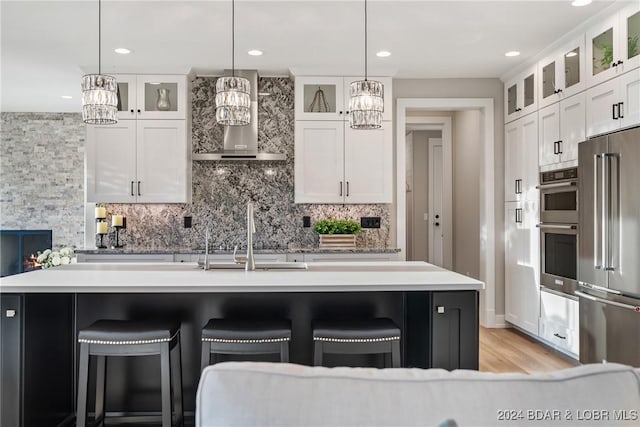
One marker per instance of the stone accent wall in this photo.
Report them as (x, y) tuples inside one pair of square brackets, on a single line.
[(42, 174), (43, 183)]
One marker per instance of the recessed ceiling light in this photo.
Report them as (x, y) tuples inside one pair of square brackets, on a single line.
[(578, 3), (570, 54), (122, 50), (383, 53), (255, 52), (66, 97), (512, 53)]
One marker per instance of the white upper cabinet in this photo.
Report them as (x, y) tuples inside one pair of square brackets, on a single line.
[(337, 164), (561, 128), (520, 95), (614, 104), (562, 74), (152, 96), (613, 46), (327, 98)]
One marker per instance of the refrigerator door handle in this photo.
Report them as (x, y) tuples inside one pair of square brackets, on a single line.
[(611, 200), (605, 301), (597, 209)]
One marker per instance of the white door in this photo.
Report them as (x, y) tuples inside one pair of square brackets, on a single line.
[(368, 162), (435, 239), (529, 158), (162, 162), (111, 162), (630, 98), (572, 111), (549, 122), (512, 138), (319, 165), (601, 108)]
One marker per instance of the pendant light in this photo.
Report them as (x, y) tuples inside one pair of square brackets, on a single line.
[(232, 93), (366, 97), (99, 91)]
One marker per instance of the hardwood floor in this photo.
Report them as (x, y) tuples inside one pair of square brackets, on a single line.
[(508, 350)]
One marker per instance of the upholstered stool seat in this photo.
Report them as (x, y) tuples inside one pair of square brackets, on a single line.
[(131, 338), (245, 336), (361, 336)]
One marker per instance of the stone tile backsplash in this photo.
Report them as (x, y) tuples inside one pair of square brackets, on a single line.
[(43, 183)]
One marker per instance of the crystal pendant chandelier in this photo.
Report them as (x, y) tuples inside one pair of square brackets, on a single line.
[(366, 97), (99, 91), (232, 93)]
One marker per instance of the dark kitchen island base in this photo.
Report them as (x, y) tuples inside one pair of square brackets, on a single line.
[(439, 329)]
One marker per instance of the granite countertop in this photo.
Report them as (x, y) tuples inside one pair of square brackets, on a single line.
[(134, 250), (188, 277)]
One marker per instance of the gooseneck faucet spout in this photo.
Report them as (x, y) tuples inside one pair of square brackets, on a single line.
[(250, 264)]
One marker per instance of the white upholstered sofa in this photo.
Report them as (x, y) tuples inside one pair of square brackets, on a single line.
[(270, 394)]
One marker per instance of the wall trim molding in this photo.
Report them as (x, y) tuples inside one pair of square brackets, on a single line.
[(487, 191)]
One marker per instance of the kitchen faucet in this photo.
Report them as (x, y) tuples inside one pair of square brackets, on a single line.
[(250, 264)]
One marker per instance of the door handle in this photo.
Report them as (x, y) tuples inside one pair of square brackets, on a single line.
[(608, 302), (340, 188), (614, 116), (519, 215), (132, 189), (557, 335), (560, 147), (347, 188), (139, 189), (621, 110)]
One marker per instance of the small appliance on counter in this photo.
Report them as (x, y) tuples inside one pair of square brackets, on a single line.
[(609, 249)]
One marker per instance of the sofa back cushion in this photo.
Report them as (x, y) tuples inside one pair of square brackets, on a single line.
[(263, 394)]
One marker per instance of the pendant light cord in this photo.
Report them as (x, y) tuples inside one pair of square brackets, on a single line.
[(233, 38), (365, 40), (99, 37)]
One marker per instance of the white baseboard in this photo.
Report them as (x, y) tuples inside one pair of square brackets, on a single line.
[(493, 320)]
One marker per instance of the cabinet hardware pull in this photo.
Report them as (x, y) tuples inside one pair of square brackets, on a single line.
[(139, 111), (620, 110), (346, 112), (614, 64), (132, 189), (11, 313), (139, 189), (132, 110), (519, 215), (347, 188), (340, 188), (613, 112), (340, 112), (555, 147), (560, 147), (619, 62), (557, 335)]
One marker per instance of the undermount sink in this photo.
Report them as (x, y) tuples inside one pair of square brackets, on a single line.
[(259, 265)]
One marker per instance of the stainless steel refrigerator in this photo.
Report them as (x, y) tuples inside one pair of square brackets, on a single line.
[(609, 242)]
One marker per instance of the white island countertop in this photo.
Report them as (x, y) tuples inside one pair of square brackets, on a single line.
[(187, 277)]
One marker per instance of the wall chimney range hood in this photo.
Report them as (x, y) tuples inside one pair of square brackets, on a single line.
[(241, 142)]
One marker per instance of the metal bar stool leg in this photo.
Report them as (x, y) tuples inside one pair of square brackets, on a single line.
[(205, 359), (284, 352), (395, 354), (317, 353), (165, 375), (83, 380), (177, 383), (101, 373)]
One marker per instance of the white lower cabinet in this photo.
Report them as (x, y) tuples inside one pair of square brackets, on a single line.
[(124, 257), (342, 257), (522, 265), (559, 322)]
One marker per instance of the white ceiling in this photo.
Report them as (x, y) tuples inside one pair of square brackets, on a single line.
[(48, 45)]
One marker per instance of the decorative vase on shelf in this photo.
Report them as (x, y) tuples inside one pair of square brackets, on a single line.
[(163, 103)]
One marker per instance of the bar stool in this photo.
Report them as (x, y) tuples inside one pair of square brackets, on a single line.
[(245, 336), (370, 336), (131, 338)]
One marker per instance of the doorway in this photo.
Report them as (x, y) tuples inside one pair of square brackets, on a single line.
[(483, 188)]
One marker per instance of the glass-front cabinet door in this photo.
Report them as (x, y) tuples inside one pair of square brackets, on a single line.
[(126, 96), (521, 95), (561, 73), (319, 98), (613, 45), (161, 97)]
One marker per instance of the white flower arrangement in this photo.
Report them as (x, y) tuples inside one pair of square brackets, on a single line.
[(50, 258)]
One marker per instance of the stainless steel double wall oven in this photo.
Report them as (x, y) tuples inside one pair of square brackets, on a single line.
[(559, 230)]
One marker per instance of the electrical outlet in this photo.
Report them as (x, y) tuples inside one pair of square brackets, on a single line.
[(370, 222), (306, 221), (187, 222)]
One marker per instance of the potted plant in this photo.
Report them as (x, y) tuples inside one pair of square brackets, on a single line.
[(337, 233)]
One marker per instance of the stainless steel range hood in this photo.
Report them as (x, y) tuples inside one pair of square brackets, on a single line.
[(241, 142)]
